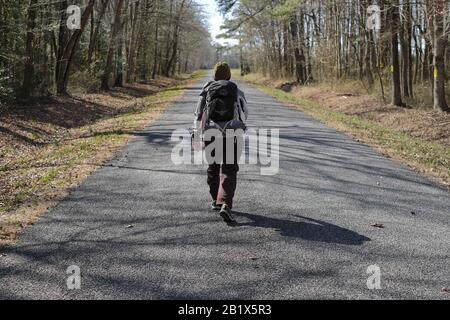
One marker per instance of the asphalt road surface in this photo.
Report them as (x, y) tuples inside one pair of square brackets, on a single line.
[(140, 227)]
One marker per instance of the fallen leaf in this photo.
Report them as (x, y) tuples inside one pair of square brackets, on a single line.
[(378, 225)]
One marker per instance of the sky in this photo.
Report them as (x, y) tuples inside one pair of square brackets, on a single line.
[(215, 20)]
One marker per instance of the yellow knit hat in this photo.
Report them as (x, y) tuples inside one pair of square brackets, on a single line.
[(222, 71)]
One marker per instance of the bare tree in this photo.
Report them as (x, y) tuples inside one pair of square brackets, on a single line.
[(27, 85), (440, 37), (112, 45)]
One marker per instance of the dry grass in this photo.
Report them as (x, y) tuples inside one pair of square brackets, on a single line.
[(422, 123), (52, 146)]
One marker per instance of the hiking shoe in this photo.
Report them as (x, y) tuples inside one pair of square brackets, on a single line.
[(215, 206), (226, 214)]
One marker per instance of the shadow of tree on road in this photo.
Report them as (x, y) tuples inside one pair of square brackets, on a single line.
[(309, 229)]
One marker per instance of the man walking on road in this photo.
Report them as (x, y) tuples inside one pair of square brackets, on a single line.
[(222, 109)]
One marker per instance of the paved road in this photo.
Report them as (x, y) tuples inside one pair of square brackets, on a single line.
[(304, 233)]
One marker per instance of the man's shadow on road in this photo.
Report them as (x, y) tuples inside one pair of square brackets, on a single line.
[(309, 229)]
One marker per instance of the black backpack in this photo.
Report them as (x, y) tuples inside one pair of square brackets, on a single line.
[(221, 99)]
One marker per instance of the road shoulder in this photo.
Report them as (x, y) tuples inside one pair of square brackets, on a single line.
[(39, 176)]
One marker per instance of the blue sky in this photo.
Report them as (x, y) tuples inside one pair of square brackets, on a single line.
[(215, 20)]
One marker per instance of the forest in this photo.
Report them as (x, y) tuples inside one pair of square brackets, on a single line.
[(46, 46), (396, 47)]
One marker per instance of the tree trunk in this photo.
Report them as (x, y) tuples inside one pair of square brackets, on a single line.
[(395, 67), (440, 44), (169, 64), (406, 49), (27, 85), (155, 39), (112, 46), (69, 50), (118, 82), (132, 47), (62, 40), (299, 61), (93, 42)]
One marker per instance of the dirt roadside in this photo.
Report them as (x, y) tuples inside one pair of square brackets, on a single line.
[(52, 145)]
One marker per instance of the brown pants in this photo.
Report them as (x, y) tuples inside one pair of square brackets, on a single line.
[(222, 178)]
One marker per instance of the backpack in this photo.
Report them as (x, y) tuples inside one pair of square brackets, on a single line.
[(221, 99)]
